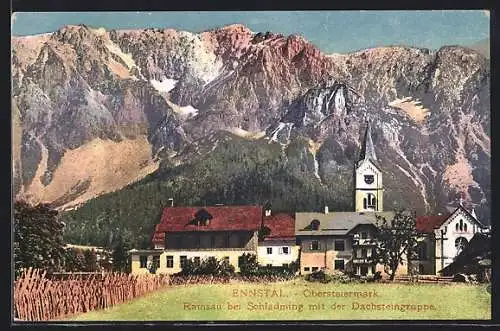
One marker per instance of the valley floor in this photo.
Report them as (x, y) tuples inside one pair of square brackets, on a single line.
[(300, 300)]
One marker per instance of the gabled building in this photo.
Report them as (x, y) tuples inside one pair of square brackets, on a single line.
[(277, 244), (443, 237), (342, 241), (223, 232)]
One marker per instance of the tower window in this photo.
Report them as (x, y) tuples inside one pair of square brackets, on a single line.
[(371, 201), (369, 179)]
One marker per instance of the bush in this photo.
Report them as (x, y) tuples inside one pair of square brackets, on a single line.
[(248, 264), (209, 266), (319, 276)]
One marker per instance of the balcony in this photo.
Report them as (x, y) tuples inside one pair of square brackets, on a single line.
[(364, 242)]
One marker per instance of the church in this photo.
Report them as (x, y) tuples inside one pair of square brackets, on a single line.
[(344, 241), (328, 241)]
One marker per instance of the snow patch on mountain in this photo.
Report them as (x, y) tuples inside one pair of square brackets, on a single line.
[(164, 85)]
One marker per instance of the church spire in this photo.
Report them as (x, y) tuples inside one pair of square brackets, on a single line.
[(368, 151)]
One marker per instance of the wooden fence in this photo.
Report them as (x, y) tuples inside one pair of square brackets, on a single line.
[(424, 279), (39, 298)]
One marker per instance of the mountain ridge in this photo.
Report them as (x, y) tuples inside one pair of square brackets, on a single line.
[(174, 88)]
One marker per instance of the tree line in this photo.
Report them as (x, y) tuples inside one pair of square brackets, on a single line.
[(39, 243)]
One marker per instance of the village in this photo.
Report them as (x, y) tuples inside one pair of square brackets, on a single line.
[(329, 242)]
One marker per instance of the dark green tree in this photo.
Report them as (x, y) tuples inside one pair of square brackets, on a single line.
[(396, 240), (90, 260), (74, 260), (248, 264), (120, 256), (38, 237)]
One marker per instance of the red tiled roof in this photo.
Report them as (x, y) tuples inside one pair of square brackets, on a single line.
[(427, 224), (224, 218), (282, 227), (158, 237)]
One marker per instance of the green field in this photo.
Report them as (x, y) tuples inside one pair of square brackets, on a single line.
[(372, 301)]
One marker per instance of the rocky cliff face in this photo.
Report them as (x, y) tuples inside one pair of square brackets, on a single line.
[(79, 86)]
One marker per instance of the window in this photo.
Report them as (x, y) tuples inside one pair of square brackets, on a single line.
[(373, 269), (422, 251), (315, 245), (364, 270), (465, 227), (197, 261), (183, 260), (306, 269), (170, 261), (364, 253), (285, 265), (369, 179), (371, 201), (339, 245), (226, 258), (240, 260), (364, 235), (144, 261), (156, 261), (269, 250), (339, 264), (284, 250), (314, 268), (269, 265), (461, 225), (456, 227)]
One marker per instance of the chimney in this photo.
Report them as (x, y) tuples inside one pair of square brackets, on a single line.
[(326, 209), (268, 212), (171, 202)]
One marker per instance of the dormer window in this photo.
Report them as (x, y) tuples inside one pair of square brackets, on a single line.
[(203, 217), (315, 225)]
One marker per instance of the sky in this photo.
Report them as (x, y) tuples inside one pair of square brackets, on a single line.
[(331, 31)]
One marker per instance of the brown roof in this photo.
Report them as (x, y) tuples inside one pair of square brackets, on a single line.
[(281, 226), (222, 218), (427, 224)]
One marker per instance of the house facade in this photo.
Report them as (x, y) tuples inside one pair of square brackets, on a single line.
[(223, 232), (339, 241), (277, 246)]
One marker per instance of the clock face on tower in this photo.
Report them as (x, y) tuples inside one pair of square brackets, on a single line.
[(369, 179)]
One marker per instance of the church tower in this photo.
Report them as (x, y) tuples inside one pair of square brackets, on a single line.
[(368, 178)]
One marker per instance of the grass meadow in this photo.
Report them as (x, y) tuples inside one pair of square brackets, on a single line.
[(299, 300)]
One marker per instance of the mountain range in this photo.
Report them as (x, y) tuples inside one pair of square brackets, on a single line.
[(97, 112)]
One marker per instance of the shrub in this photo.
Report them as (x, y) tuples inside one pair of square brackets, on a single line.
[(319, 276), (248, 264), (209, 266)]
